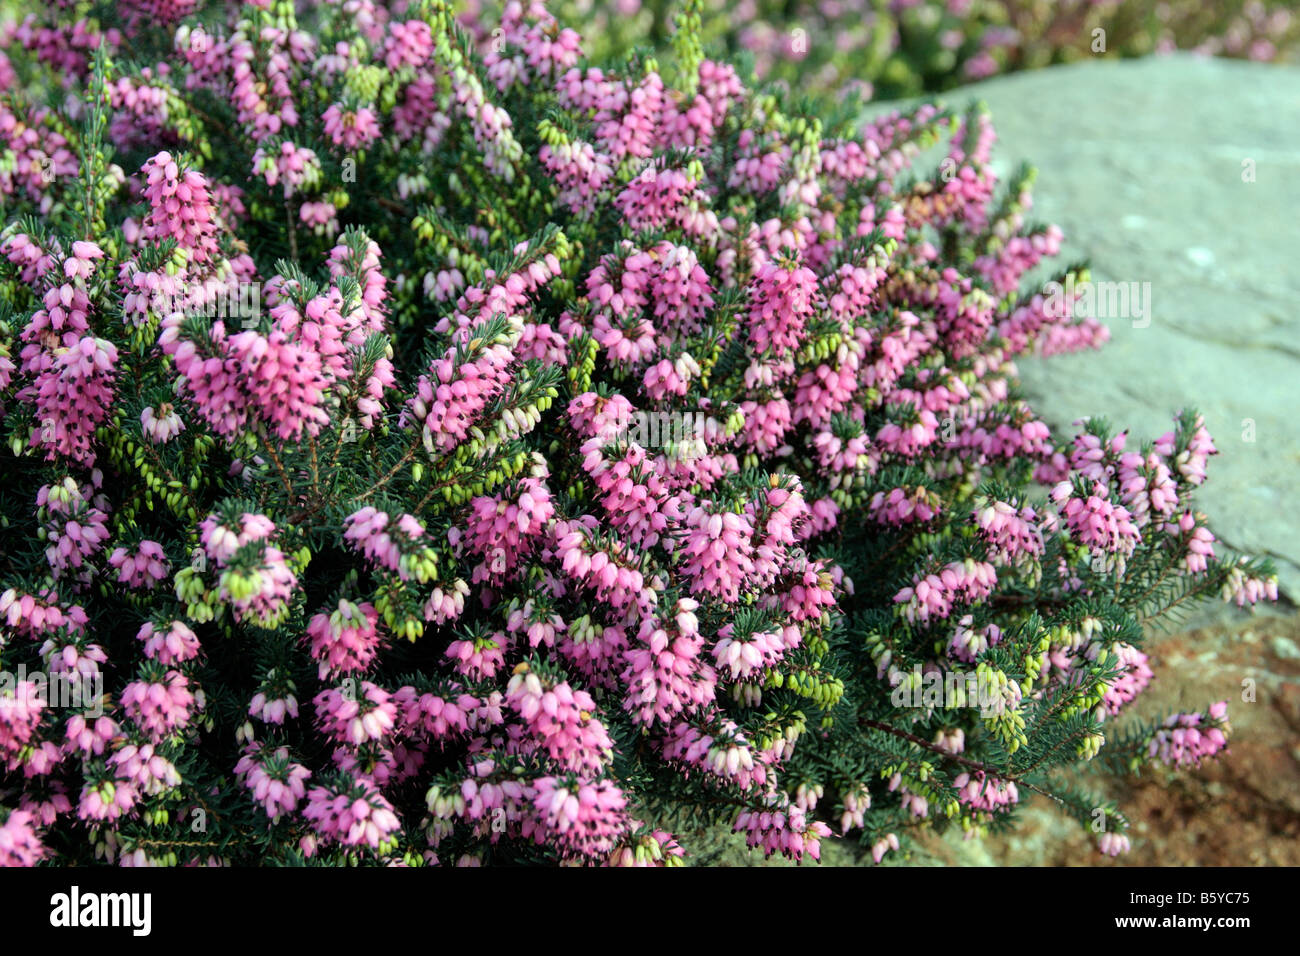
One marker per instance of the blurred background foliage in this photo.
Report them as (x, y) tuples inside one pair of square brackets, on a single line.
[(883, 49), (898, 48)]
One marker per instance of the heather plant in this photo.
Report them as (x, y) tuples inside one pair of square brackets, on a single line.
[(418, 457)]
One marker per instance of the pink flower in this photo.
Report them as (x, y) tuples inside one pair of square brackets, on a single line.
[(1113, 844), (781, 826), (717, 552), (664, 674), (883, 846), (1245, 588), (985, 793), (457, 389), (1013, 535), (585, 818), (351, 129), (106, 800), (580, 173), (181, 208), (656, 198), (173, 644), (345, 640), (409, 43), (144, 769), (20, 844), (295, 168), (783, 297), (161, 426), (90, 736), (903, 505), (394, 545), (357, 815), (371, 716), (160, 706), (503, 530), (479, 659), (20, 713), (746, 657), (275, 781), (562, 721), (936, 594), (445, 605), (143, 569), (636, 499), (74, 528), (73, 396), (1186, 739), (1133, 679), (1094, 521), (272, 708), (321, 217), (656, 848), (606, 566)]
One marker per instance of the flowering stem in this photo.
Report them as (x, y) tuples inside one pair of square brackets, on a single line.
[(315, 470), (279, 467), (293, 232), (1159, 581), (1191, 592), (393, 206), (382, 482), (986, 769), (1044, 757)]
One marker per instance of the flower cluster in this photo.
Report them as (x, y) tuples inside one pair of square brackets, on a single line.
[(1186, 739)]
